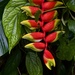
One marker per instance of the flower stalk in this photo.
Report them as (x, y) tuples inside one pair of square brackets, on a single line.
[(48, 21)]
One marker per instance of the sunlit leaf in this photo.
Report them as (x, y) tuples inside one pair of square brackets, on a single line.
[(12, 17), (66, 49)]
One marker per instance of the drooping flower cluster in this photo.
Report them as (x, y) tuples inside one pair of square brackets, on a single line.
[(48, 22)]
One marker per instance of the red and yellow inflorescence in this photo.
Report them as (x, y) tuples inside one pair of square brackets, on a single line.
[(48, 22)]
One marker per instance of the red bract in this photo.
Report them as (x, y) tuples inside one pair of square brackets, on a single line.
[(36, 46), (34, 36), (34, 9), (50, 25), (39, 45), (37, 35), (53, 36), (32, 24), (30, 10), (48, 54), (49, 16), (39, 2), (48, 59), (48, 5)]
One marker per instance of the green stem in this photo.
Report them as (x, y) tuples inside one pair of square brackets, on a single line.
[(55, 9), (63, 2), (71, 15), (18, 71)]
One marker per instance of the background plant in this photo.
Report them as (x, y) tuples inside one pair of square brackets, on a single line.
[(63, 50)]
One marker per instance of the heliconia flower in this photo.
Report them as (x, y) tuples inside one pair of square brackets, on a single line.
[(30, 10), (30, 23), (48, 59), (49, 16), (34, 36), (38, 2), (36, 46), (50, 5), (53, 36), (51, 25)]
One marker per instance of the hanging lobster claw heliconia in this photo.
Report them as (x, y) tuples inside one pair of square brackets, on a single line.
[(47, 23)]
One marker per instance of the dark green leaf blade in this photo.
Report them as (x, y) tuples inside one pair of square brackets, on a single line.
[(15, 72), (66, 50), (3, 42), (12, 63), (11, 22), (33, 64), (71, 25), (61, 69), (37, 15), (71, 5), (0, 73)]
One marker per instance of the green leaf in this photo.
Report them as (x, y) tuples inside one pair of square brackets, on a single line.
[(33, 64), (71, 5), (12, 63), (60, 68), (37, 15), (3, 42), (12, 17), (15, 72), (0, 73), (66, 49), (71, 25)]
